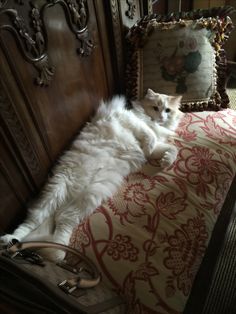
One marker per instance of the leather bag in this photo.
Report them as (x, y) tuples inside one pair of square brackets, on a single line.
[(32, 284)]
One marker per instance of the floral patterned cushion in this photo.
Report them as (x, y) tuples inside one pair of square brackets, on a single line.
[(149, 239), (180, 54)]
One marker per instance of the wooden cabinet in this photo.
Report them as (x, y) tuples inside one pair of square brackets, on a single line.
[(57, 60)]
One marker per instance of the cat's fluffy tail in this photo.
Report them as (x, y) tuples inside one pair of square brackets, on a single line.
[(106, 108)]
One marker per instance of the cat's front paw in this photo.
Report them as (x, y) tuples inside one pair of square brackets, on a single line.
[(7, 238), (149, 146), (168, 159)]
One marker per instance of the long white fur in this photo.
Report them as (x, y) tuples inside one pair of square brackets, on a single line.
[(116, 142)]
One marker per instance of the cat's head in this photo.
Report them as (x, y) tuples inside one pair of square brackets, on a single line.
[(161, 107)]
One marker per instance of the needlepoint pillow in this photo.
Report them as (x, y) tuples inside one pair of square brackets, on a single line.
[(180, 54)]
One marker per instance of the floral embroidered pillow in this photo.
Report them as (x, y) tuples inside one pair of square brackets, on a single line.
[(180, 55)]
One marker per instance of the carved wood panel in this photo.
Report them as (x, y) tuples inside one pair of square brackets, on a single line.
[(56, 63), (58, 43), (14, 190), (79, 80), (31, 34), (123, 14)]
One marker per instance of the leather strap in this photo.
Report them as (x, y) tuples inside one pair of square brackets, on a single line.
[(81, 282)]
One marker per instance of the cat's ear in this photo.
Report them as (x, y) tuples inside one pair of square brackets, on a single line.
[(150, 93), (176, 100)]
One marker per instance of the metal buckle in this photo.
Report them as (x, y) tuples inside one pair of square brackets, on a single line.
[(23, 256), (32, 257), (67, 287)]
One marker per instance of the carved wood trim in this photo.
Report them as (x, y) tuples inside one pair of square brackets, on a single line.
[(145, 7), (117, 31), (33, 47), (11, 183), (18, 91), (130, 13), (18, 134), (3, 3), (149, 7), (77, 17), (101, 14), (33, 42)]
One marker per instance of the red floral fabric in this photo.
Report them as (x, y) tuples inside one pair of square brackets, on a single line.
[(149, 239)]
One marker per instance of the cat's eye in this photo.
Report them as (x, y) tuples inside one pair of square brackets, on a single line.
[(167, 110), (155, 108)]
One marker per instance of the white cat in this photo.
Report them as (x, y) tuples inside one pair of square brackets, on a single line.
[(163, 109), (116, 142)]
